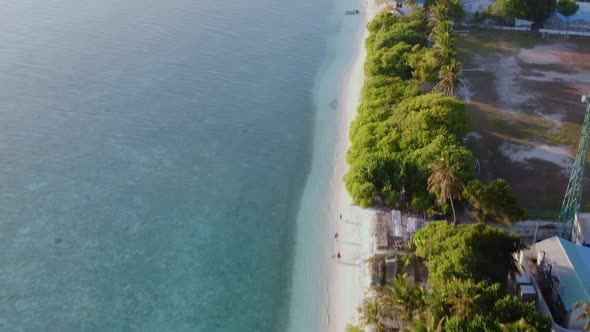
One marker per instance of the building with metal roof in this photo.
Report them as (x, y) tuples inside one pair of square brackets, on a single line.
[(582, 225), (567, 266)]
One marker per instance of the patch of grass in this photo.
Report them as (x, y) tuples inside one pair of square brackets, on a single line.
[(544, 214), (501, 42), (551, 213), (468, 45), (570, 133), (548, 119), (523, 128), (501, 126), (556, 140)]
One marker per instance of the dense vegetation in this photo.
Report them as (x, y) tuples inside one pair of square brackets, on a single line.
[(407, 150), (534, 10), (474, 251), (493, 202), (567, 7), (400, 130), (454, 8), (467, 265)]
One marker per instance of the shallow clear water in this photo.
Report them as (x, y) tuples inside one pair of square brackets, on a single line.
[(154, 155)]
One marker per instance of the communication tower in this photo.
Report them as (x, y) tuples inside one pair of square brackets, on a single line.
[(572, 201)]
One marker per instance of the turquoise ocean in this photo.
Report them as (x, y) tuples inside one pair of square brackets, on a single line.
[(154, 158)]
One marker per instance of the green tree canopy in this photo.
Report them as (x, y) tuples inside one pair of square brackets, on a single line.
[(466, 251), (397, 152), (511, 311), (371, 174), (424, 63), (535, 10), (453, 9), (567, 7), (400, 130), (493, 202), (432, 111), (392, 61)]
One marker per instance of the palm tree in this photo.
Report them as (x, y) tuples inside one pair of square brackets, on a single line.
[(518, 326), (352, 328), (465, 305), (411, 3), (444, 181), (462, 297), (441, 27), (430, 325), (449, 78), (443, 40), (436, 305), (374, 313), (438, 13), (585, 315), (406, 296)]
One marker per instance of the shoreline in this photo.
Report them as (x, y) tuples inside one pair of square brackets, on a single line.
[(347, 277)]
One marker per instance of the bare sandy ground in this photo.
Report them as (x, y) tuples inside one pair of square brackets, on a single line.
[(523, 96), (347, 276), (557, 155)]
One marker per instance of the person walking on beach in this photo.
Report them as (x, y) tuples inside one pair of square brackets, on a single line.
[(339, 256)]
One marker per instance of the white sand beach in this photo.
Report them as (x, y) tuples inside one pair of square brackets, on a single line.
[(348, 279)]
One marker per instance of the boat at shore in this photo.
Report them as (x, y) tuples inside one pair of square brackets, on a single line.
[(352, 12)]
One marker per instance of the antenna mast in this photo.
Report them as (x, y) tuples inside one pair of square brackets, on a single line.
[(572, 201)]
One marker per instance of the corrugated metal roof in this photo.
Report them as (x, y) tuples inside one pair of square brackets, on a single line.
[(571, 264), (527, 289), (584, 11), (523, 279)]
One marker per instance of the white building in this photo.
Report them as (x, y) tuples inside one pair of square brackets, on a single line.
[(582, 229), (564, 270)]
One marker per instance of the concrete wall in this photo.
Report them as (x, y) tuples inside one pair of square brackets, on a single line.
[(563, 32), (501, 27)]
